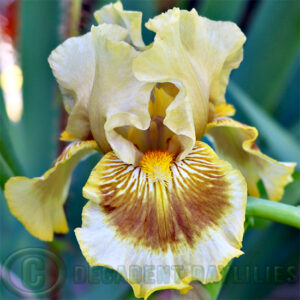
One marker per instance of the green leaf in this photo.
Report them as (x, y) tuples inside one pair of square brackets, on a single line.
[(267, 251), (214, 288), (6, 149), (9, 165), (222, 10), (35, 137), (5, 172), (292, 191), (280, 141), (288, 110), (270, 52), (296, 130), (182, 4)]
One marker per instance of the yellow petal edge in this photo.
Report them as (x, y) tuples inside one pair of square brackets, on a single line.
[(38, 202), (234, 142), (193, 224)]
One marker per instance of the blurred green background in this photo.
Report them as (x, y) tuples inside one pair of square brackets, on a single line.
[(265, 91)]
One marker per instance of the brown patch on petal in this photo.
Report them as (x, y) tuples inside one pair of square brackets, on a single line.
[(160, 216), (255, 147)]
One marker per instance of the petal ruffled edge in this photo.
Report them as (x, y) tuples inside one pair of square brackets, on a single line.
[(118, 99), (115, 186), (91, 208), (72, 64), (38, 202), (235, 142), (195, 54), (113, 13)]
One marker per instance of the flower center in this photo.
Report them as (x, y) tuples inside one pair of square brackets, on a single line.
[(156, 164)]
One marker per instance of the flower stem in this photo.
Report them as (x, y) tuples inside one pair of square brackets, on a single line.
[(274, 211)]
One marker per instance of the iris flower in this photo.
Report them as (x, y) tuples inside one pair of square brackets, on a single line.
[(164, 208)]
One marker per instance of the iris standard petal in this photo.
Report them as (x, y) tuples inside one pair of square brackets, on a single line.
[(234, 142), (38, 202), (118, 99), (73, 64), (113, 13), (196, 55), (191, 225)]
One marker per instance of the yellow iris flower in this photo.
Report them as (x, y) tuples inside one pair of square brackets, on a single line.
[(161, 202)]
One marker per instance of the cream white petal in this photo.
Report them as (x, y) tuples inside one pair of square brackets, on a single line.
[(192, 225), (113, 13), (220, 82), (73, 65), (118, 99), (195, 54)]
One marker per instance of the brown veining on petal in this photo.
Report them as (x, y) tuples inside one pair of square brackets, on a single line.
[(159, 216), (73, 147)]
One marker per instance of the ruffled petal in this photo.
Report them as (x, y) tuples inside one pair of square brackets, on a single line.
[(187, 229), (233, 60), (234, 142), (118, 99), (196, 55), (113, 13), (38, 202), (73, 65)]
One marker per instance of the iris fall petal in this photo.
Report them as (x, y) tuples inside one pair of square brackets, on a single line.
[(192, 224), (234, 142), (38, 202)]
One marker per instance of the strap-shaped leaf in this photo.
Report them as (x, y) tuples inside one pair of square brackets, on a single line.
[(222, 10), (273, 43), (9, 165), (34, 138)]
